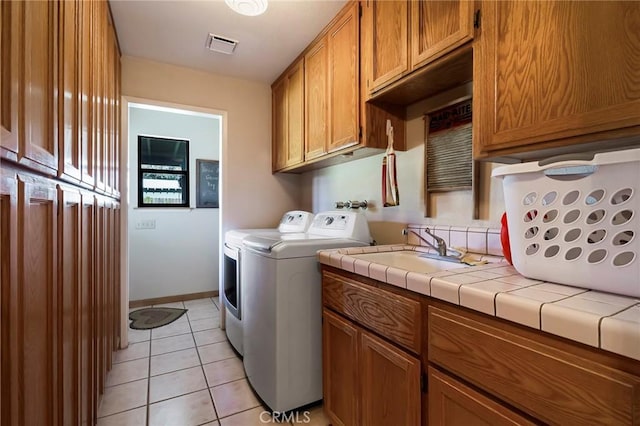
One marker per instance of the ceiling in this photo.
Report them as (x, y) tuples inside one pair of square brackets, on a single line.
[(175, 32)]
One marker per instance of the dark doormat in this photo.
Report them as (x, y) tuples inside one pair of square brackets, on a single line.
[(148, 318)]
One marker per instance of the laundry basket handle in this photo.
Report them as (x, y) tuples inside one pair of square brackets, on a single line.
[(585, 156)]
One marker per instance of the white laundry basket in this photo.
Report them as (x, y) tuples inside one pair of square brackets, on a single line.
[(575, 221)]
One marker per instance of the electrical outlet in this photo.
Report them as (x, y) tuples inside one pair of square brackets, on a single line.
[(146, 224)]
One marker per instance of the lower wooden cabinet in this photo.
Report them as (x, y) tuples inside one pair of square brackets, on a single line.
[(59, 327), (452, 403), (367, 381)]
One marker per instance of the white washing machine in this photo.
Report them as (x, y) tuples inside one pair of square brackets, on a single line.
[(283, 313), (292, 223)]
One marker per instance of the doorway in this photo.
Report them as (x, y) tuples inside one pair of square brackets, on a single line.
[(171, 249)]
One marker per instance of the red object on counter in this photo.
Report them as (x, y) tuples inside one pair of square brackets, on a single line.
[(504, 238)]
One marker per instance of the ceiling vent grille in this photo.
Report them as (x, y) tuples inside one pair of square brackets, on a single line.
[(220, 44)]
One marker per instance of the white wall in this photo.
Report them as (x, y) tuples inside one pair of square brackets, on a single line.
[(250, 195), (360, 179), (179, 256)]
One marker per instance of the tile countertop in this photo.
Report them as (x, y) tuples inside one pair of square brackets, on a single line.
[(603, 320)]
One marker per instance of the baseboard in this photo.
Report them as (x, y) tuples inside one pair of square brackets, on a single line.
[(171, 299)]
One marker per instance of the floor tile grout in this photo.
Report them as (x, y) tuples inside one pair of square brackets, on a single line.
[(196, 347)]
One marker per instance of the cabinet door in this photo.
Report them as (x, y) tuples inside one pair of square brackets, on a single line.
[(316, 85), (279, 108), (438, 27), (390, 384), (295, 115), (36, 303), (85, 119), (340, 369), (40, 142), (389, 41), (452, 403), (98, 72), (344, 80), (11, 51), (68, 106), (88, 366), (10, 395), (69, 272), (562, 71)]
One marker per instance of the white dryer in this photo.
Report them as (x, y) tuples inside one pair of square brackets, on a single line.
[(283, 313), (292, 223)]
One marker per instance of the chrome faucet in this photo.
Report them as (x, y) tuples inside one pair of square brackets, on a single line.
[(441, 248)]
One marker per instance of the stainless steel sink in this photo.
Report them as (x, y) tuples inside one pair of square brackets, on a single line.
[(409, 261)]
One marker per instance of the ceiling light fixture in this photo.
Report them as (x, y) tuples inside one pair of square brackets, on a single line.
[(248, 7)]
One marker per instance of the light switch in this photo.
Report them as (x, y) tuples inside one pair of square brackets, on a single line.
[(146, 224)]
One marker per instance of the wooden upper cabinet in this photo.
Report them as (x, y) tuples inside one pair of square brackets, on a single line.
[(39, 144), (288, 118), (438, 27), (69, 101), (295, 114), (389, 27), (11, 40), (565, 72), (406, 35), (344, 80), (85, 87), (316, 77), (279, 125)]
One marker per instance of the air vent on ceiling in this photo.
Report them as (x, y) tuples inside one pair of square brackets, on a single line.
[(220, 44)]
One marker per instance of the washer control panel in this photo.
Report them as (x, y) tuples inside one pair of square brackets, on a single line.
[(341, 224), (295, 221)]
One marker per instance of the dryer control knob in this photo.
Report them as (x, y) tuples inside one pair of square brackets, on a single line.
[(328, 221)]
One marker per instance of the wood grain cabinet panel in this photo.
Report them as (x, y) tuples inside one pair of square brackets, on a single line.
[(85, 86), (396, 317), (295, 115), (279, 125), (88, 396), (316, 78), (406, 35), (69, 277), (389, 41), (344, 79), (340, 367), (452, 403), (11, 63), (390, 384), (11, 398), (438, 27), (553, 74), (37, 303), (550, 384), (69, 100), (288, 118), (39, 143), (367, 378)]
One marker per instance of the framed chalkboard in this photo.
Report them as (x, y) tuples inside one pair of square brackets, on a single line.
[(207, 183)]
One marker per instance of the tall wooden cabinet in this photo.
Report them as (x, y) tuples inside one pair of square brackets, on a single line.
[(59, 226), (555, 74)]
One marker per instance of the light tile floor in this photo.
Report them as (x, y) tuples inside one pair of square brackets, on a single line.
[(185, 374)]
